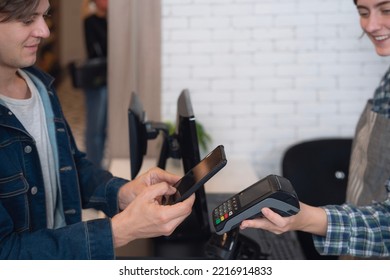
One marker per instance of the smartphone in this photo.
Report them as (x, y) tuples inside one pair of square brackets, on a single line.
[(198, 175), (273, 191)]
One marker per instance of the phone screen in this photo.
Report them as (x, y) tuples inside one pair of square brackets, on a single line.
[(199, 175)]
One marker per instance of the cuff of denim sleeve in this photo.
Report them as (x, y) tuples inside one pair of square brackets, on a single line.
[(112, 195), (99, 236)]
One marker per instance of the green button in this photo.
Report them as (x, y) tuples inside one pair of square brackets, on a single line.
[(217, 221)]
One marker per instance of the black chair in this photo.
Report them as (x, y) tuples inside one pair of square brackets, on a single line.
[(318, 170)]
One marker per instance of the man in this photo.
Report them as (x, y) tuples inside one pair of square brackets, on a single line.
[(45, 180), (96, 98)]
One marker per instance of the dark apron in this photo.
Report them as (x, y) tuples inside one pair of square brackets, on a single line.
[(370, 160)]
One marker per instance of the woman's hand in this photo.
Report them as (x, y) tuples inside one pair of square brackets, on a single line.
[(309, 219)]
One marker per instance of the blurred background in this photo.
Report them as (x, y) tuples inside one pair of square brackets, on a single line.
[(263, 75)]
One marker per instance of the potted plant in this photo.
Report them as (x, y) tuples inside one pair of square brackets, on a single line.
[(204, 138)]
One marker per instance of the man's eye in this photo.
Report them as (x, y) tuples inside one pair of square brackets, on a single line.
[(47, 16), (28, 21)]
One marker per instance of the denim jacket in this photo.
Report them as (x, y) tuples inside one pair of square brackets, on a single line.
[(23, 229)]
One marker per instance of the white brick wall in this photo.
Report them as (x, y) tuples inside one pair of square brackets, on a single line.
[(264, 74)]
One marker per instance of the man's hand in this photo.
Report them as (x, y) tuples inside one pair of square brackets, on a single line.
[(145, 217), (132, 189)]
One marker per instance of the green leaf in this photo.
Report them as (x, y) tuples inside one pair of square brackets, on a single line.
[(204, 138)]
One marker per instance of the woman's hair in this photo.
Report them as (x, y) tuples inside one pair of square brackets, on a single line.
[(17, 9)]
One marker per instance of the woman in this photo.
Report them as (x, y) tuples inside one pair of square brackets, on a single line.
[(360, 227)]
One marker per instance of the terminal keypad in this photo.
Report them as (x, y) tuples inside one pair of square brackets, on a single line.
[(225, 210)]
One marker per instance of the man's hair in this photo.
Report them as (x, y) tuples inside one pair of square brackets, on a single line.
[(355, 1), (17, 9)]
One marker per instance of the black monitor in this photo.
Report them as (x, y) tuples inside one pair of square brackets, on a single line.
[(140, 131), (186, 132), (191, 235), (197, 225)]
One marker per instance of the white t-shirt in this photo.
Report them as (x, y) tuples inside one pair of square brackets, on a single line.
[(30, 112)]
